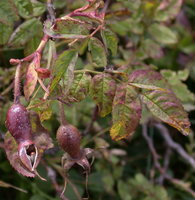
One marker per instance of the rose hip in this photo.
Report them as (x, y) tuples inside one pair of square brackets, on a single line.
[(69, 139), (18, 123)]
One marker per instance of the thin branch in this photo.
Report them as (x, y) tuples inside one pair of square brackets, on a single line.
[(43, 86), (74, 188), (181, 184), (51, 11), (177, 147), (107, 2), (62, 114), (34, 54), (151, 147), (52, 175), (167, 158), (172, 144), (90, 125)]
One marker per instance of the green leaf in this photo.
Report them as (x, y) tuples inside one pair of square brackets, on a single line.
[(163, 34), (102, 90), (38, 8), (126, 112), (98, 52), (162, 103), (140, 185), (41, 135), (8, 12), (183, 74), (24, 7), (5, 32), (123, 190), (42, 107), (67, 28), (121, 27), (70, 74), (32, 44), (168, 10), (25, 32), (59, 4), (80, 86), (151, 48), (131, 4), (66, 59), (110, 40), (179, 88)]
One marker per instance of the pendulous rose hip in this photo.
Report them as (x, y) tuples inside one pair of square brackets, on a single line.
[(69, 139), (18, 123)]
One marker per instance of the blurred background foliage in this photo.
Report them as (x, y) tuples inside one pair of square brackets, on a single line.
[(156, 33)]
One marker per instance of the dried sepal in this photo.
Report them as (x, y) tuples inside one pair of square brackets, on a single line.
[(28, 155), (11, 149), (43, 73)]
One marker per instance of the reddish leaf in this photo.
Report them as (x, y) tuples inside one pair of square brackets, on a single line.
[(162, 103), (31, 80), (126, 112)]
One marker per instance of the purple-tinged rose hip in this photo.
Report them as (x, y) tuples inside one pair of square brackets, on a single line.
[(69, 139), (18, 124)]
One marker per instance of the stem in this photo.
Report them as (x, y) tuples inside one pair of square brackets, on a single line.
[(33, 55), (86, 70), (42, 44), (90, 125), (43, 86), (17, 84), (105, 7), (62, 114), (50, 9)]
